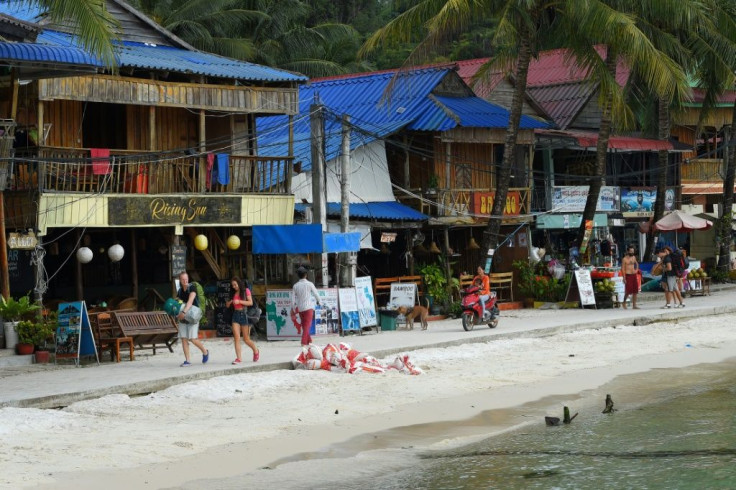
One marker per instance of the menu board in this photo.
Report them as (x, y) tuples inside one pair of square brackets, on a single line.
[(178, 260), (20, 271), (585, 287), (223, 314)]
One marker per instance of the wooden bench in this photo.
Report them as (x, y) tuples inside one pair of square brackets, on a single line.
[(147, 328), (502, 281), (108, 336)]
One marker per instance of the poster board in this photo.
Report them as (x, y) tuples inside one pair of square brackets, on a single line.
[(585, 287), (178, 260), (618, 288), (403, 294), (223, 315), (349, 314), (279, 325), (366, 301), (74, 334), (20, 271), (327, 314)]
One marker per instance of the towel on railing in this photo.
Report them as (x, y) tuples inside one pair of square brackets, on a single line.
[(210, 166), (222, 171), (100, 161)]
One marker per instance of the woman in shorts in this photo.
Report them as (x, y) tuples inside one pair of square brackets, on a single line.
[(240, 300)]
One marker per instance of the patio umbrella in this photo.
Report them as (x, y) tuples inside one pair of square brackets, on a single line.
[(678, 221)]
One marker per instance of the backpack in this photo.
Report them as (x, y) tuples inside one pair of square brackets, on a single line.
[(200, 295), (678, 263)]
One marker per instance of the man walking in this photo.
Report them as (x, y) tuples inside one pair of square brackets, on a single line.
[(189, 331), (630, 267), (303, 292)]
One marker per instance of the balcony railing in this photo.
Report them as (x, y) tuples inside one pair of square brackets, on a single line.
[(460, 202), (702, 170), (73, 170)]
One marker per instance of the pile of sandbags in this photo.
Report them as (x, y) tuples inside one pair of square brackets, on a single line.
[(343, 358)]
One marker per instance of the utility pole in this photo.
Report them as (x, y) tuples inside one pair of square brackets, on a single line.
[(319, 206), (347, 259)]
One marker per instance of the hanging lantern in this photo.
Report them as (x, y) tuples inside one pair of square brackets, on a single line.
[(233, 242), (200, 242), (433, 248), (472, 244), (116, 252), (84, 255), (421, 249)]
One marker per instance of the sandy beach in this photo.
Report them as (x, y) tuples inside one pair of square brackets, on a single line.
[(226, 429)]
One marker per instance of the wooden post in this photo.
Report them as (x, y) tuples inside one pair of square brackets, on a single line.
[(202, 180), (5, 279), (346, 271), (134, 262)]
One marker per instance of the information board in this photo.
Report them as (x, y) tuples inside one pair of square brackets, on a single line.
[(178, 260), (326, 315), (20, 271), (349, 315), (403, 294), (74, 333), (223, 314), (366, 301), (585, 287), (279, 324)]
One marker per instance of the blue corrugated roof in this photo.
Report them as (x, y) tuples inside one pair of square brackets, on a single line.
[(41, 53), (383, 210), (411, 105), (165, 58)]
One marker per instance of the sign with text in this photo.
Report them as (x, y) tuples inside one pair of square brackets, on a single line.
[(178, 260), (223, 315), (22, 241), (366, 301), (326, 315), (572, 198), (349, 314), (638, 202), (483, 203), (173, 210), (585, 287), (403, 294), (74, 333)]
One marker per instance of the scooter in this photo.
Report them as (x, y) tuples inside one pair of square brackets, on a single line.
[(472, 309)]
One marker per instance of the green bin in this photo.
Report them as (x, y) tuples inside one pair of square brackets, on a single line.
[(387, 321)]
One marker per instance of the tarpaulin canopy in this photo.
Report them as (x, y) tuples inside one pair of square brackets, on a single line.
[(679, 221), (301, 239)]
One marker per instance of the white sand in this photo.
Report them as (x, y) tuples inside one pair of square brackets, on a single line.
[(226, 426)]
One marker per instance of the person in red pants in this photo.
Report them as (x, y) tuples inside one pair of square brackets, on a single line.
[(303, 292)]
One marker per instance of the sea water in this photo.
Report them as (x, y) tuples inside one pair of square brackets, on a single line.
[(681, 435)]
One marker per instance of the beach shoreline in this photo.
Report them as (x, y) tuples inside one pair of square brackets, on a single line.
[(225, 442)]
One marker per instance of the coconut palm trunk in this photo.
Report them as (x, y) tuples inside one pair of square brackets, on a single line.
[(724, 224), (601, 151), (663, 133), (503, 172)]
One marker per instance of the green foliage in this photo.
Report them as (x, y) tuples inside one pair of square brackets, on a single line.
[(13, 311), (436, 282), (34, 332), (535, 283), (718, 275), (455, 309)]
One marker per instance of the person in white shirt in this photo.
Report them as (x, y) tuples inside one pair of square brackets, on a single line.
[(303, 292)]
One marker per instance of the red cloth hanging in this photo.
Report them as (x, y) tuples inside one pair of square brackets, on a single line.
[(100, 161)]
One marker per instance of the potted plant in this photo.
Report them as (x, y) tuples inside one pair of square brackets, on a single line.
[(432, 184), (12, 311), (436, 282), (32, 333)]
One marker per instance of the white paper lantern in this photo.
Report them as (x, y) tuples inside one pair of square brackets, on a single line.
[(116, 253), (84, 255)]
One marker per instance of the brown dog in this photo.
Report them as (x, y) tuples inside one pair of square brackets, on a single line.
[(417, 311)]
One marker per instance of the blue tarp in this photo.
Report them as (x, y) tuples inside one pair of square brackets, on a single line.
[(342, 242), (301, 239)]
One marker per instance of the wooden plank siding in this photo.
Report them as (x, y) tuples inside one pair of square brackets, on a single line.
[(119, 90)]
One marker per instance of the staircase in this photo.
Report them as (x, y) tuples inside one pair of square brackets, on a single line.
[(214, 254)]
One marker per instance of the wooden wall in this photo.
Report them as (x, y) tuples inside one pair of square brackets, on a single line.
[(475, 158), (65, 117)]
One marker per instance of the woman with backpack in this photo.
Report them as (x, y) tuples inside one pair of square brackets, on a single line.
[(240, 300)]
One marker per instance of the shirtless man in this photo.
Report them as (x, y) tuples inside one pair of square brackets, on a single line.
[(630, 267)]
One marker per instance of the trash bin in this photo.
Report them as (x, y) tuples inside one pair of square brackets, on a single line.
[(387, 320)]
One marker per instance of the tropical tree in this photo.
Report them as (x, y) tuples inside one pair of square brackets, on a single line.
[(96, 28)]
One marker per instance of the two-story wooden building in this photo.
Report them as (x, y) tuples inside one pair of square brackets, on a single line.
[(148, 158)]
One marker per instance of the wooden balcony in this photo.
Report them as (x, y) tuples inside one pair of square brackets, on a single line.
[(468, 202), (52, 170), (702, 170)]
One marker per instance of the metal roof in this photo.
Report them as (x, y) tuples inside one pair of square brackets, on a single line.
[(374, 114), (384, 210), (41, 53), (167, 58), (587, 140), (562, 103)]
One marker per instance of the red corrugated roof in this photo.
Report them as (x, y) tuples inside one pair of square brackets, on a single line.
[(586, 139)]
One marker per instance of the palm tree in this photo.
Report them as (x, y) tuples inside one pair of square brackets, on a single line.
[(96, 28)]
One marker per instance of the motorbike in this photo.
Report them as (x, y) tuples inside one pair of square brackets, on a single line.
[(472, 309)]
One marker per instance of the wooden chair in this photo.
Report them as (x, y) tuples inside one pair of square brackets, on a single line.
[(108, 336), (502, 281)]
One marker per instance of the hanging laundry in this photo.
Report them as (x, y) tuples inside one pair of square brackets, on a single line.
[(223, 168), (210, 165), (100, 161)]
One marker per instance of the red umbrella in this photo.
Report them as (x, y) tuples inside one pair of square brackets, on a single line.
[(679, 221)]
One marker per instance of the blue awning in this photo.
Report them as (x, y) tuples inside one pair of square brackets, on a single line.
[(382, 210), (301, 239)]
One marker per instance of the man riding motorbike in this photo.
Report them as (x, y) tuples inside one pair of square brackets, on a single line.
[(484, 283)]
